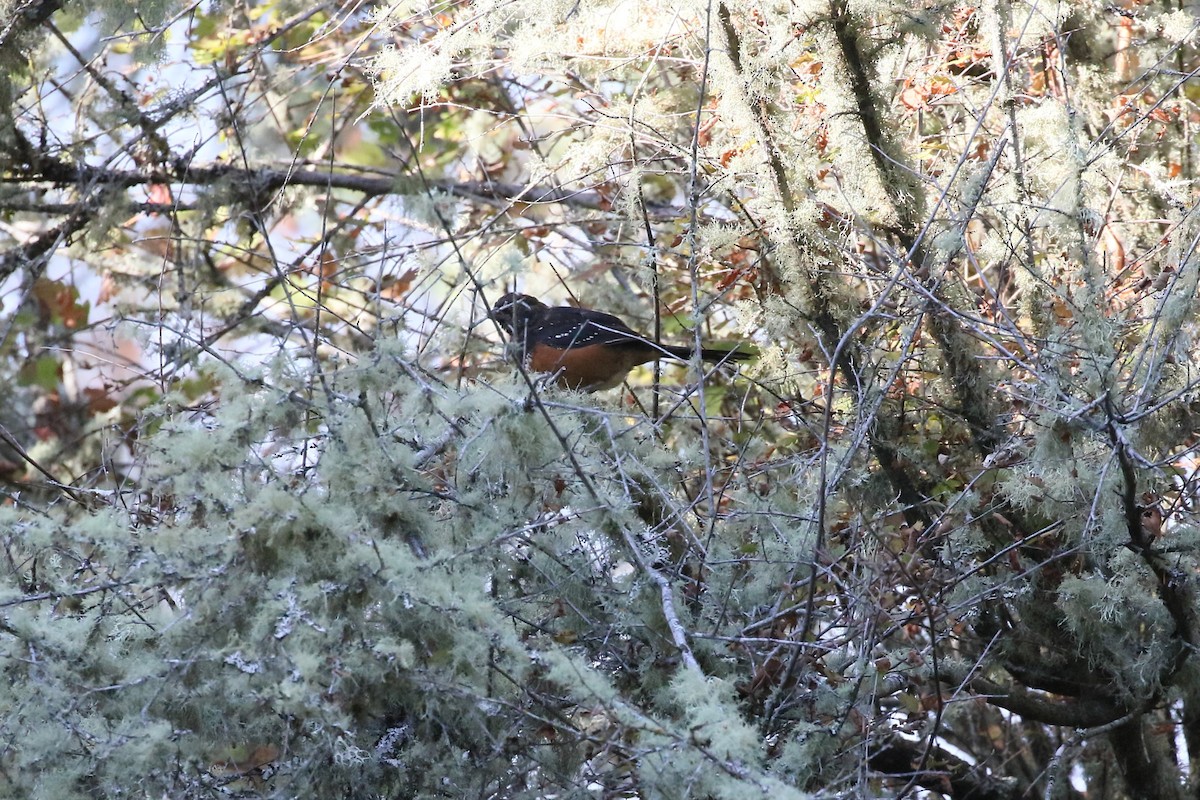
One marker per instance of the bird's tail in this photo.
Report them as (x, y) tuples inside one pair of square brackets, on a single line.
[(738, 352)]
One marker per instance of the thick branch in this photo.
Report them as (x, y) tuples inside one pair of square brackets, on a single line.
[(1175, 587), (1146, 762), (953, 776), (268, 180), (971, 385), (1089, 712), (25, 15)]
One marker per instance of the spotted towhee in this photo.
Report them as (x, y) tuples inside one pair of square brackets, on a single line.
[(585, 349)]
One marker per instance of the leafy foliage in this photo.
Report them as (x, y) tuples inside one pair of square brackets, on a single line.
[(280, 521)]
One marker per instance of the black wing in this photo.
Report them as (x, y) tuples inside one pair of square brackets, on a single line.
[(565, 327)]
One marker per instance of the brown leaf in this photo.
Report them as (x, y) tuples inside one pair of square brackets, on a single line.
[(99, 400), (259, 757), (396, 288)]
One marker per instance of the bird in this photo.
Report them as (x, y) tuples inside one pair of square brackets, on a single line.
[(586, 349)]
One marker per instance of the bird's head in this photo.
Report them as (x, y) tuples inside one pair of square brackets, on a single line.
[(511, 310)]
